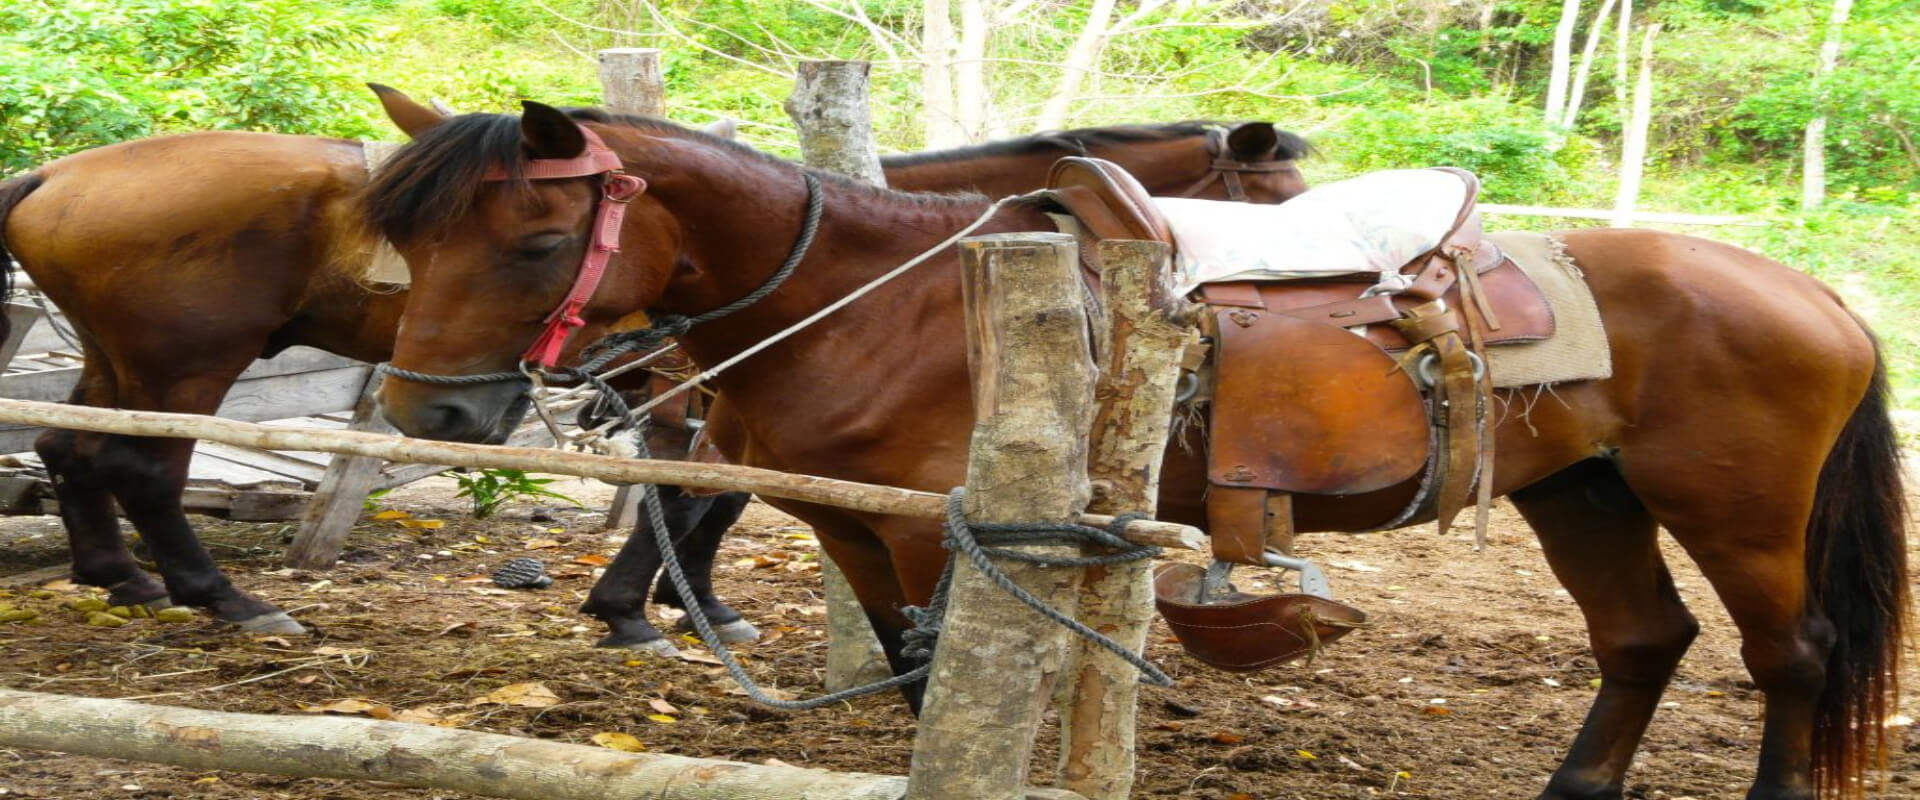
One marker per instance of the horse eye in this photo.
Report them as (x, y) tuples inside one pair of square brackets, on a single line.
[(539, 247)]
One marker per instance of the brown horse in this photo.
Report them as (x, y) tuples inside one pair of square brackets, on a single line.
[(181, 259), (1747, 411)]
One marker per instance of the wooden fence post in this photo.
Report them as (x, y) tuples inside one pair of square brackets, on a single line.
[(630, 81), (829, 109), (342, 493), (1033, 398), (1128, 437)]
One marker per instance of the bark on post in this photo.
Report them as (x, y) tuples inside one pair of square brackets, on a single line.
[(1137, 383), (997, 660), (486, 764), (630, 81), (829, 109)]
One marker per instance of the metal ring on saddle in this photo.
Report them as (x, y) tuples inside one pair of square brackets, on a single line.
[(1187, 387), (1426, 371)]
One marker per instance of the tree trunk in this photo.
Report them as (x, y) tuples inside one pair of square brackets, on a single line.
[(970, 71), (829, 109), (1622, 42), (1579, 92), (1126, 443), (1633, 151), (630, 81), (997, 660), (1562, 60), (941, 117), (1813, 185), (1080, 58), (612, 469)]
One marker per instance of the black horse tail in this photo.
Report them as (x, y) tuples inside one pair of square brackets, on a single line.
[(11, 193), (1857, 576)]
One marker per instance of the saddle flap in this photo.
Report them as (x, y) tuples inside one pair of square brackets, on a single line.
[(1108, 200), (1300, 406)]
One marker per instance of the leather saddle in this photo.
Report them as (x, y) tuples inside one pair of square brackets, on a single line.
[(1324, 386)]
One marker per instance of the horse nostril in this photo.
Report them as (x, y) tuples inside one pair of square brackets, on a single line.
[(448, 420)]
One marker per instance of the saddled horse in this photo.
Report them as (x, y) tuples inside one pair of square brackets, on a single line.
[(1746, 413), (181, 259)]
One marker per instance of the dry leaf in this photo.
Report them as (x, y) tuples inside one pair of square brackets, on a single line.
[(459, 627), (475, 579), (424, 523), (700, 657), (662, 706), (777, 694), (541, 544), (1240, 796), (1436, 711), (306, 679), (1228, 738), (347, 652), (390, 514), (622, 742), (349, 705), (528, 695), (1306, 756), (662, 719), (419, 716), (593, 560)]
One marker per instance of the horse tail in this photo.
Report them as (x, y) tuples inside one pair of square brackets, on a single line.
[(1857, 577), (11, 193)]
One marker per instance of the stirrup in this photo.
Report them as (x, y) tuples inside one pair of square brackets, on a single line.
[(1228, 629)]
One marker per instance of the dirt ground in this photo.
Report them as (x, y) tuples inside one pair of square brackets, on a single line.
[(1470, 685)]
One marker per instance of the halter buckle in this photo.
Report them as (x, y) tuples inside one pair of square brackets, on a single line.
[(619, 187)]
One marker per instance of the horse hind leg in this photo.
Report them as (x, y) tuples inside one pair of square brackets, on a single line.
[(149, 476), (1604, 548), (100, 556)]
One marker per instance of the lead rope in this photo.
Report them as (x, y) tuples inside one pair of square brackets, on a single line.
[(920, 640)]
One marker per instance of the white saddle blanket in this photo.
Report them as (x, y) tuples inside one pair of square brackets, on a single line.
[(1376, 222)]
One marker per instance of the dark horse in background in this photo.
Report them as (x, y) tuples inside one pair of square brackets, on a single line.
[(181, 259), (1747, 413)]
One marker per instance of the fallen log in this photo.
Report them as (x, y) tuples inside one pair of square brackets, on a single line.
[(612, 469), (486, 764)]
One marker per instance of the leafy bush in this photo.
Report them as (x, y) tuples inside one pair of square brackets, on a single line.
[(81, 73), (1515, 153)]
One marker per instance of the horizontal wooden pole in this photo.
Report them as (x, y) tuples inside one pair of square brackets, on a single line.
[(486, 764), (1636, 216), (612, 469)]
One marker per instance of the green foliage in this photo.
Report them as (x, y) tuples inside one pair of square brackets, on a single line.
[(1519, 157), (489, 489), (81, 73)]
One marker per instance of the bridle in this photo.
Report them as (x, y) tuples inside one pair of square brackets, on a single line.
[(617, 189), (1228, 169)]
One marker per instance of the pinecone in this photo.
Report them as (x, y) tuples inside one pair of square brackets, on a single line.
[(522, 573)]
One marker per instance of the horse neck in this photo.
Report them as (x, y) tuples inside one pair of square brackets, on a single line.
[(996, 175), (863, 234), (1165, 167)]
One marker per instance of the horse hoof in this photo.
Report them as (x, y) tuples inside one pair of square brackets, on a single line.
[(159, 604), (273, 622), (738, 631), (652, 647)]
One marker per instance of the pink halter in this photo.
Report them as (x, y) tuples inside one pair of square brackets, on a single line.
[(616, 191)]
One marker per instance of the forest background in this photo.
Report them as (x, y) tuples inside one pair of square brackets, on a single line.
[(1534, 95)]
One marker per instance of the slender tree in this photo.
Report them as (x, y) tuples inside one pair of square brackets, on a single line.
[(1813, 184)]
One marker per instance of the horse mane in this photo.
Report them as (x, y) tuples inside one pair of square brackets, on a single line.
[(436, 179), (1080, 141)]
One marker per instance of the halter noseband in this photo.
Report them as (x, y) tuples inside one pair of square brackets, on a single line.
[(617, 189), (1228, 170)]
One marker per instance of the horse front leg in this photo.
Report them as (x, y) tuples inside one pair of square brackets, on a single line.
[(697, 550)]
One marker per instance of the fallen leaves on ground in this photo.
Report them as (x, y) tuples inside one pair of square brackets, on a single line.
[(532, 694)]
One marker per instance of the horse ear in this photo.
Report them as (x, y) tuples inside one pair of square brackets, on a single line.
[(724, 128), (1252, 141), (548, 132), (410, 117)]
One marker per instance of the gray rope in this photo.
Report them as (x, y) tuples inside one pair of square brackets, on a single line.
[(670, 558), (983, 542)]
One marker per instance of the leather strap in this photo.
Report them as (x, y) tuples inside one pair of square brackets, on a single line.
[(1236, 523), (616, 191)]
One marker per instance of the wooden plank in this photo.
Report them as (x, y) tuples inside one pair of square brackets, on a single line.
[(233, 474), (21, 320), (304, 468), (343, 492)]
